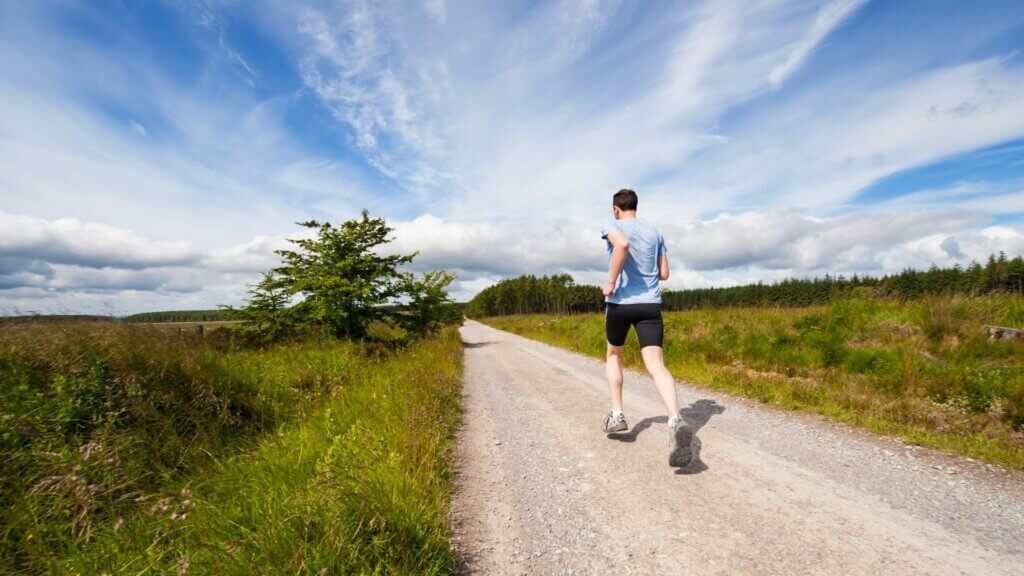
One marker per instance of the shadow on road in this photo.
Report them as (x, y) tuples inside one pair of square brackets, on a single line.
[(475, 344), (638, 428), (696, 415)]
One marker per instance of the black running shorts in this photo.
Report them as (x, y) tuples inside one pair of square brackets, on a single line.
[(646, 318)]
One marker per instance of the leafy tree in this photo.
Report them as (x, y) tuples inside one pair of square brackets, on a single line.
[(266, 314), (345, 282), (429, 306)]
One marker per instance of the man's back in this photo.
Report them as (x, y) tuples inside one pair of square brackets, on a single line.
[(638, 282)]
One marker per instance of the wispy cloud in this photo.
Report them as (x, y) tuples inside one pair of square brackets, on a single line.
[(829, 17), (351, 67), (208, 19), (437, 9)]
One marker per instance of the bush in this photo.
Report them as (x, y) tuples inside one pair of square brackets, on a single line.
[(833, 351), (867, 361)]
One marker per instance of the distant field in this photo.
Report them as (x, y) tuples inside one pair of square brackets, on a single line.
[(923, 370), (207, 325)]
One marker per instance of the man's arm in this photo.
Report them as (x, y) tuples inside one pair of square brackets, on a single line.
[(663, 267), (620, 249)]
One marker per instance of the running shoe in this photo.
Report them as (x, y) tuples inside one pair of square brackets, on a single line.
[(613, 423), (680, 436)]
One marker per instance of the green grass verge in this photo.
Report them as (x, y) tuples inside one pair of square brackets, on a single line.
[(922, 371), (333, 459), (360, 486)]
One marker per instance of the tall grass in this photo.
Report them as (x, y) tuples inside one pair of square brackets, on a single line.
[(128, 449), (359, 487), (921, 370)]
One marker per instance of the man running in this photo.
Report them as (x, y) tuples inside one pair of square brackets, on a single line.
[(638, 260)]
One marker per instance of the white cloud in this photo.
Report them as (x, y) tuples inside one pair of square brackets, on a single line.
[(724, 250), (437, 10), (520, 123), (257, 255), (829, 17), (46, 265), (216, 164), (351, 66), (499, 249), (821, 148), (44, 270), (71, 241), (792, 240)]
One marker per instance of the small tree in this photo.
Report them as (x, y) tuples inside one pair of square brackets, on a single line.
[(266, 313), (429, 306), (345, 284)]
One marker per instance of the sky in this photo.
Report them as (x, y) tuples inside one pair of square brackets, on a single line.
[(155, 153)]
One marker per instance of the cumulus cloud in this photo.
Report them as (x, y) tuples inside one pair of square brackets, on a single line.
[(768, 239), (728, 249), (40, 257), (254, 256), (762, 245), (499, 249), (71, 241)]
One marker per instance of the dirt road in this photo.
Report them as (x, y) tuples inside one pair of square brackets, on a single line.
[(541, 490)]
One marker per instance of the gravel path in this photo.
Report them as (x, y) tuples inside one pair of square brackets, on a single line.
[(541, 490)]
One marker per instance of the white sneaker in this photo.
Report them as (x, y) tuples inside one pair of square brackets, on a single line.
[(613, 423), (680, 437)]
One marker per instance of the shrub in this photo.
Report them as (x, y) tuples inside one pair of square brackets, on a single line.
[(938, 318)]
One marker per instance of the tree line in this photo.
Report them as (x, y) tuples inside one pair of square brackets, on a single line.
[(561, 295), (557, 294), (182, 316)]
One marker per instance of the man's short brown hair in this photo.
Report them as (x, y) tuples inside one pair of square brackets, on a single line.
[(625, 199)]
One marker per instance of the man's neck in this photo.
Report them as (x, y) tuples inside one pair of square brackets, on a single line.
[(624, 215)]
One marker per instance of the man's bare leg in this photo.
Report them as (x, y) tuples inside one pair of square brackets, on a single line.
[(680, 432), (613, 369), (654, 360)]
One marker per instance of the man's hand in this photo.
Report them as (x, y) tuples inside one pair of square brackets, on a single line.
[(608, 289)]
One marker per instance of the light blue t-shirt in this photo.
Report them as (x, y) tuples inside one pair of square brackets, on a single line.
[(638, 282)]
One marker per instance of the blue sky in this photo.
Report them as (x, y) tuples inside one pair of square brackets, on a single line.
[(153, 154)]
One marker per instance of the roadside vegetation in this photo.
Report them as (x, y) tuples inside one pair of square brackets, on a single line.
[(312, 437), (922, 370)]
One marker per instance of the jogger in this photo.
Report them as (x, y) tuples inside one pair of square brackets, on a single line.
[(638, 260)]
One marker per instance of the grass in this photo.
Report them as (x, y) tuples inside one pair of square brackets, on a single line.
[(922, 371), (128, 449)]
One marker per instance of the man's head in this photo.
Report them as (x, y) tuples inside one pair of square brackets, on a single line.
[(624, 203)]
